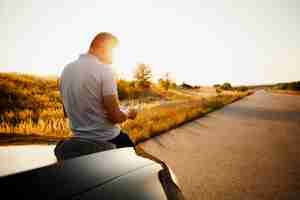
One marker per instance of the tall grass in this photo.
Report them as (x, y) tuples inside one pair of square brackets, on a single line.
[(31, 106), (151, 121), (50, 122), (156, 120)]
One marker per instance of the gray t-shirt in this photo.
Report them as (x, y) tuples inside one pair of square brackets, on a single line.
[(83, 84)]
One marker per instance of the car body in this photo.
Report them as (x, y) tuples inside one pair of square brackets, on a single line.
[(112, 174)]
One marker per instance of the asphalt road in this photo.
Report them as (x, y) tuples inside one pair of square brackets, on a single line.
[(247, 150)]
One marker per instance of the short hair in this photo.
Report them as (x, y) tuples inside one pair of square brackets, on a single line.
[(102, 38)]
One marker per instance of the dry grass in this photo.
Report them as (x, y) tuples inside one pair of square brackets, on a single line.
[(50, 123), (155, 118)]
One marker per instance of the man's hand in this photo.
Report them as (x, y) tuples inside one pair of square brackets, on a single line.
[(132, 113)]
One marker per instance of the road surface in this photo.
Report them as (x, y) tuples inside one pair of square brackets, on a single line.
[(247, 150)]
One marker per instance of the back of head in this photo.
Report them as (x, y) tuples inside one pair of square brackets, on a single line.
[(103, 40)]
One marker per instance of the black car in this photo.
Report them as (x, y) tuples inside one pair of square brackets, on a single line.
[(113, 174)]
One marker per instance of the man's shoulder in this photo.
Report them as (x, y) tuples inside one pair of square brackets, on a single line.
[(67, 68), (89, 66)]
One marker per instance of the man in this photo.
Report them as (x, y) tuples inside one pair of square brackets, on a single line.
[(90, 99)]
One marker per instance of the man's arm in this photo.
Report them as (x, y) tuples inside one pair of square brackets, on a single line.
[(111, 105), (111, 100)]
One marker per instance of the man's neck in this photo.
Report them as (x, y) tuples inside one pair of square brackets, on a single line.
[(99, 56)]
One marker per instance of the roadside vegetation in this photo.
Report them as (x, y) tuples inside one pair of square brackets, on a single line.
[(31, 107), (156, 120), (287, 88), (295, 86), (227, 86)]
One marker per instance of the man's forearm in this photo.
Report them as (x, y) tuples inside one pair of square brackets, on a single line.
[(112, 107), (117, 116)]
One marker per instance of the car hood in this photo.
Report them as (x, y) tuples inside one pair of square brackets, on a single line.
[(75, 175)]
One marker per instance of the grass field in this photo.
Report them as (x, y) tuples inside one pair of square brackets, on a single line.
[(161, 118), (154, 119), (38, 117)]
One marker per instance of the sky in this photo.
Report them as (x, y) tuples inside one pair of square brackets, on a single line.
[(197, 41)]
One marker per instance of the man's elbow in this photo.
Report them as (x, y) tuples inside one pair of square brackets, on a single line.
[(115, 118)]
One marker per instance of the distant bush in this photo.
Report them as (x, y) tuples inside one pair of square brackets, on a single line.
[(186, 86), (226, 86), (128, 89), (122, 86), (218, 90), (288, 86), (281, 86), (241, 88), (173, 85), (167, 84), (216, 85)]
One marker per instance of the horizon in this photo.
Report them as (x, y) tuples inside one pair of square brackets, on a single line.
[(198, 42), (154, 80)]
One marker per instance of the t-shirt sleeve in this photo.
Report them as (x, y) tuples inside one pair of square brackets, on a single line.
[(109, 86)]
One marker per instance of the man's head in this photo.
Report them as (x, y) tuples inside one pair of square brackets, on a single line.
[(102, 46)]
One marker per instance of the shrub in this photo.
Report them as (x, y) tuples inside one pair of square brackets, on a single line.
[(129, 90), (288, 86), (294, 86), (186, 86), (226, 86), (218, 90), (242, 88)]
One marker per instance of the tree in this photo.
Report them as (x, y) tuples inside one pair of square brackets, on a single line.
[(143, 75), (166, 81), (226, 86)]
